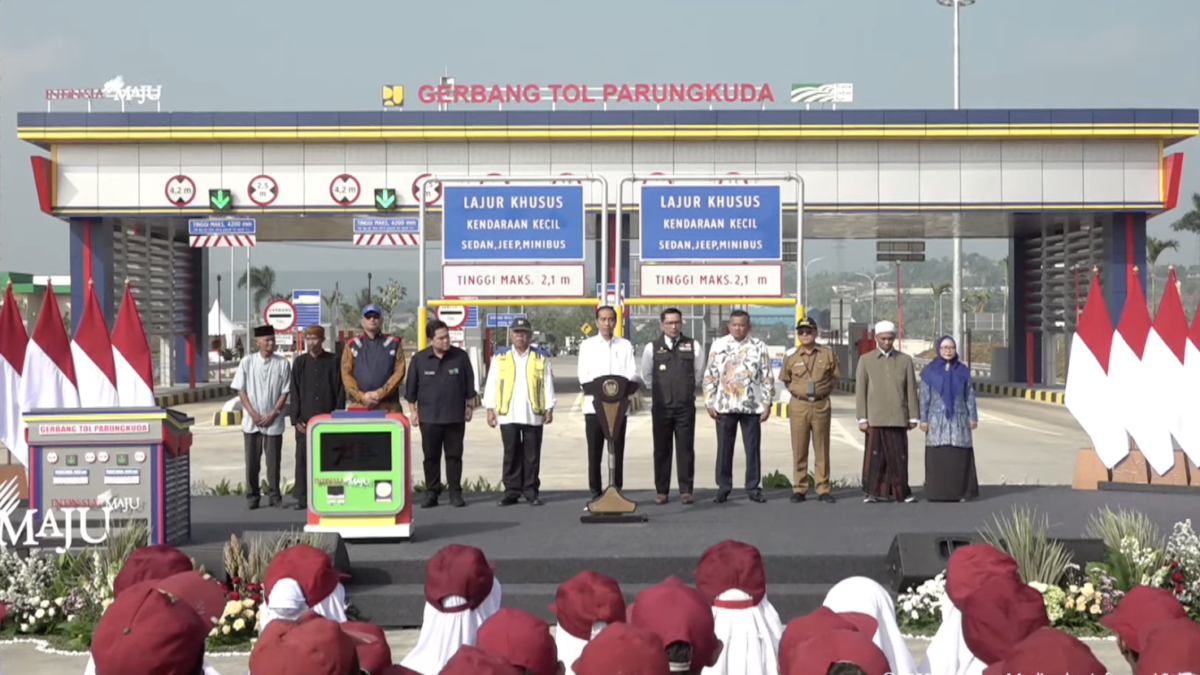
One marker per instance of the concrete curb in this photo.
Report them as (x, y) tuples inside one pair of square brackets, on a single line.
[(201, 393), (222, 418)]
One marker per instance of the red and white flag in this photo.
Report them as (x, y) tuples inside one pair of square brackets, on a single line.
[(13, 340), (131, 355), (1189, 428), (91, 349), (1088, 393), (1132, 381), (1166, 349), (48, 378)]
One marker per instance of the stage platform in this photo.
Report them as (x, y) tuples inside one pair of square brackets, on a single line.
[(807, 547)]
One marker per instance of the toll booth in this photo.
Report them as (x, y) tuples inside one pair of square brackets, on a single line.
[(359, 480), (133, 463)]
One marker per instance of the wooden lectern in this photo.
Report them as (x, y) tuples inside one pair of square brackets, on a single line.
[(610, 395)]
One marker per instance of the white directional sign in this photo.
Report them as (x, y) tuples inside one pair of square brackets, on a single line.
[(669, 280), (454, 315), (280, 315), (510, 281)]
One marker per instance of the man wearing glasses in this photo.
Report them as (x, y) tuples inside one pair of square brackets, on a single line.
[(673, 367), (373, 365), (809, 373)]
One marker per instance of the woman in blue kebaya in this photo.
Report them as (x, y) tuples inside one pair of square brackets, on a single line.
[(948, 414)]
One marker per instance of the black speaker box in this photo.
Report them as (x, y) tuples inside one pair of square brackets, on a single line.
[(916, 558)]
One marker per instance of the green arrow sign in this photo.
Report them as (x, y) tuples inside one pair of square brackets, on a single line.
[(385, 199), (220, 199)]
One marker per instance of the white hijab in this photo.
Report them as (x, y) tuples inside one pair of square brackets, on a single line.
[(570, 648), (751, 637), (442, 633), (862, 595), (286, 601), (948, 653)]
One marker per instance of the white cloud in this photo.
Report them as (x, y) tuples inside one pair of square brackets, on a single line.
[(35, 62)]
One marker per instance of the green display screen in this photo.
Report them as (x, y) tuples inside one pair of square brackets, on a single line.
[(358, 468)]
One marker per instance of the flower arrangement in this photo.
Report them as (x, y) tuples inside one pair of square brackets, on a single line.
[(239, 621), (919, 610)]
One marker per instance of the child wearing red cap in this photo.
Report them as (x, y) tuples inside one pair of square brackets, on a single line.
[(683, 621), (461, 592), (732, 578), (521, 639), (1141, 606), (865, 596), (625, 649), (584, 605)]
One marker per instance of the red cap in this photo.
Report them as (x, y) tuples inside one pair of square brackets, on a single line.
[(1169, 647), (625, 650), (311, 645), (678, 613), (309, 566), (374, 653), (520, 638), (1141, 605), (469, 660), (999, 615), (817, 654), (823, 620), (972, 567), (731, 565), (150, 563), (585, 599), (1050, 652), (149, 631), (458, 570)]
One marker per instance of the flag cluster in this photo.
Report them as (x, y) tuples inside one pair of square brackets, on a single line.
[(1136, 381), (49, 370)]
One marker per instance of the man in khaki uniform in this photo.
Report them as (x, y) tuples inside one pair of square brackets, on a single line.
[(809, 373)]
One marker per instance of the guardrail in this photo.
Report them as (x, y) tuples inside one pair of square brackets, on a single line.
[(977, 369)]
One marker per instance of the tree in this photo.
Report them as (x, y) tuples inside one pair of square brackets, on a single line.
[(333, 305), (262, 282), (387, 296), (1190, 222), (1155, 247)]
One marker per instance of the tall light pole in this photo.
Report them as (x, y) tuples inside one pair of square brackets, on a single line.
[(956, 291), (874, 282), (806, 281)]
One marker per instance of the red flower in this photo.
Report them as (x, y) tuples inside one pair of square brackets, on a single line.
[(235, 596), (237, 580), (1174, 564), (1177, 577), (255, 597), (1178, 589)]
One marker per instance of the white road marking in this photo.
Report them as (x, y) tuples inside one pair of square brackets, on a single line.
[(845, 435), (995, 418)]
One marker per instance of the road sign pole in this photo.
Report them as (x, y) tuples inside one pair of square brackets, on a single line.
[(653, 178), (422, 209)]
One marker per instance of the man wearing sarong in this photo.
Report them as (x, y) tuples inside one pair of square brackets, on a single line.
[(886, 405)]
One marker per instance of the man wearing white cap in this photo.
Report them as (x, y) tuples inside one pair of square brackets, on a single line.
[(887, 408)]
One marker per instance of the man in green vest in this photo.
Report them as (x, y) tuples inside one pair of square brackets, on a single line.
[(519, 396)]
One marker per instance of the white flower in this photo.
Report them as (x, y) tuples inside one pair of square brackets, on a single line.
[(225, 630), (41, 613), (59, 601), (45, 604), (24, 628), (239, 624)]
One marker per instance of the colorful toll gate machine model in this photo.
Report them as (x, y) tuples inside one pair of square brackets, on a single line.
[(358, 473), (134, 463)]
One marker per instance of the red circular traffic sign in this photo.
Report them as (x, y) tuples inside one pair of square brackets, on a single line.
[(280, 315), (180, 190), (263, 190), (433, 190), (344, 189)]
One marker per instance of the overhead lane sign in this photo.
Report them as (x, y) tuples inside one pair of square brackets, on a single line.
[(711, 223), (504, 223), (220, 232)]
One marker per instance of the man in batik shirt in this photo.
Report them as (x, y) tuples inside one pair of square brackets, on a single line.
[(738, 388)]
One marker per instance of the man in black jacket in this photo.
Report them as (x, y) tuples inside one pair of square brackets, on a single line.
[(673, 367), (316, 390)]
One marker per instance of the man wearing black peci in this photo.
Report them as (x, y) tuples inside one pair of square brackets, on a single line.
[(316, 390), (673, 366), (441, 390)]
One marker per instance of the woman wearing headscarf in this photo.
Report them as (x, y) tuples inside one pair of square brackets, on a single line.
[(865, 596), (948, 414)]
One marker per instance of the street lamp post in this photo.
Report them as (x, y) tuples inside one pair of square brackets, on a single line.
[(874, 281), (806, 281), (956, 293)]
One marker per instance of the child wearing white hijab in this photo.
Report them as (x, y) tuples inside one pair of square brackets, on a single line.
[(862, 595), (584, 605)]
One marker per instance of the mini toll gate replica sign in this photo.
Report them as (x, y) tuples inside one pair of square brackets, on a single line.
[(359, 478), (134, 463)]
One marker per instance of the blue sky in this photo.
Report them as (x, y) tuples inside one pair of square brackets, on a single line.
[(306, 55)]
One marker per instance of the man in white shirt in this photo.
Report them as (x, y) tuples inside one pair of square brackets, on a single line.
[(263, 381), (519, 396), (739, 385), (600, 355)]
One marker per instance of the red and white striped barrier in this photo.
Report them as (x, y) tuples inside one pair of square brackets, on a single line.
[(385, 240), (223, 240)]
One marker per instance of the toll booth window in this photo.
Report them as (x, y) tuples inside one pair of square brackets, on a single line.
[(356, 452)]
